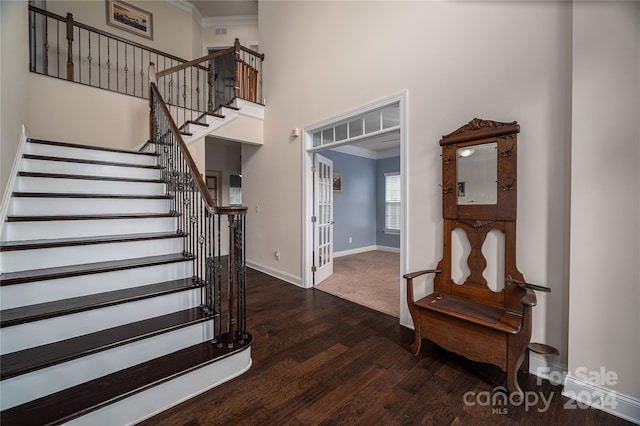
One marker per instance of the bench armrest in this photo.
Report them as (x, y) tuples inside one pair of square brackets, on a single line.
[(529, 299), (413, 275)]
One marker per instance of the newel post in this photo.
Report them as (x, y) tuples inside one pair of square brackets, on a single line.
[(69, 47), (238, 77)]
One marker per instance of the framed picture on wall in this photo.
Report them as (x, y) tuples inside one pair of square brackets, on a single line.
[(337, 182), (129, 18)]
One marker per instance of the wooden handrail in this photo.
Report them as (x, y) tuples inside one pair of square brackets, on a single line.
[(211, 205), (188, 64), (104, 33), (252, 52)]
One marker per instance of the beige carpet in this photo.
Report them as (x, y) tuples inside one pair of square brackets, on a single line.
[(371, 279)]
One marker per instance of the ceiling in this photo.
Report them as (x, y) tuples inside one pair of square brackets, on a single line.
[(225, 8), (218, 8), (381, 142)]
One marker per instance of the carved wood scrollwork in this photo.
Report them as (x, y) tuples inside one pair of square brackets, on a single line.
[(477, 223), (478, 124)]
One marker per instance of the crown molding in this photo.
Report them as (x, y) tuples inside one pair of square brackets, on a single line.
[(187, 7)]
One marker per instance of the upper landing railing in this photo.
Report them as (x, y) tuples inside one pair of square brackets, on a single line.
[(225, 74), (62, 48)]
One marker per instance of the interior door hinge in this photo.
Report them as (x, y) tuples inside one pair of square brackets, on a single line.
[(314, 169), (313, 269), (314, 219)]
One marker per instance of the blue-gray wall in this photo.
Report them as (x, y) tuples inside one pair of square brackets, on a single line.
[(358, 210)]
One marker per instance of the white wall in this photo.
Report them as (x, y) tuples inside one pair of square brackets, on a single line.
[(493, 60), (245, 29), (14, 65), (604, 322), (76, 113), (58, 110)]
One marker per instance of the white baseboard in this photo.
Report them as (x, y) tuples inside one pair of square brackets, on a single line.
[(364, 250), (546, 368), (605, 399), (284, 276)]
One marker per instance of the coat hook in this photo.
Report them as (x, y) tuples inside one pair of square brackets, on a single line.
[(445, 189), (506, 186), (506, 152), (445, 160)]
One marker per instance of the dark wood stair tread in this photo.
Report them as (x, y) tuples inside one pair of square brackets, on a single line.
[(86, 177), (231, 107), (197, 123), (40, 311), (83, 241), (91, 147), (81, 399), (45, 218), (12, 278), (77, 195), (32, 359), (88, 161)]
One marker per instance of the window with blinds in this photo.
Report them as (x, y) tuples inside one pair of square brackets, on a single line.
[(392, 203)]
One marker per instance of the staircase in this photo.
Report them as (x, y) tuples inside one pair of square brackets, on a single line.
[(102, 320), (240, 120)]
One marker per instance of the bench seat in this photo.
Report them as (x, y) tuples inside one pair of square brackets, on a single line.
[(494, 317)]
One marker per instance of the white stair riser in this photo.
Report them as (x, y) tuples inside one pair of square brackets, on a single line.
[(88, 154), (64, 167), (24, 388), (214, 123), (22, 260), (51, 330), (26, 206), (64, 288), (19, 231), (143, 405), (87, 186)]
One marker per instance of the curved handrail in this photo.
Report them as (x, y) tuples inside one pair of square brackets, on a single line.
[(202, 188)]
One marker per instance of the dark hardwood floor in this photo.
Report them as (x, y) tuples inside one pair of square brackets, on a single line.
[(318, 359)]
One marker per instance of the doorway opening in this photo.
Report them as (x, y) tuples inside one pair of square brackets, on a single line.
[(364, 146)]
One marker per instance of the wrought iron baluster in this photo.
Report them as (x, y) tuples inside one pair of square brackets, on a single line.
[(126, 70), (184, 96), (46, 46), (108, 64), (89, 58), (117, 66), (32, 41), (58, 45), (133, 57), (142, 73), (99, 61), (79, 56)]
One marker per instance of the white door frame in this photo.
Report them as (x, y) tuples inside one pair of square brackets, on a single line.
[(307, 178)]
